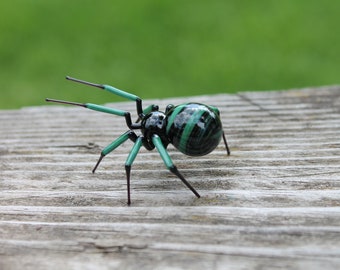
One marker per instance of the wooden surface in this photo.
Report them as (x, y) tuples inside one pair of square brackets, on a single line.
[(273, 204)]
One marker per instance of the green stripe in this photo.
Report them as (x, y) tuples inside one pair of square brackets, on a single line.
[(188, 129), (173, 115), (214, 109)]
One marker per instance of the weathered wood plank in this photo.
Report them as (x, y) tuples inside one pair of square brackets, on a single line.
[(274, 203)]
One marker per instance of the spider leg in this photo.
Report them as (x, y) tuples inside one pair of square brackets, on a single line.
[(169, 164), (147, 110), (112, 146), (217, 111), (226, 144), (115, 91), (132, 155), (103, 109)]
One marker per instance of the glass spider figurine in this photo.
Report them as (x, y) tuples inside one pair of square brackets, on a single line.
[(194, 129)]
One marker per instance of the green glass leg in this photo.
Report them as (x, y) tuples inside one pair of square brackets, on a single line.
[(169, 164), (112, 146)]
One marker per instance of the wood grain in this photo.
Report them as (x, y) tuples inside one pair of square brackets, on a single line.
[(274, 203)]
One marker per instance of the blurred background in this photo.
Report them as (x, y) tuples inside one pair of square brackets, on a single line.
[(158, 49)]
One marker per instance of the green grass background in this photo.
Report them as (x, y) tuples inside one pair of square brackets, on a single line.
[(163, 48)]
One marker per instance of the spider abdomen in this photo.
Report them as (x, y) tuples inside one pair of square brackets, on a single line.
[(194, 129)]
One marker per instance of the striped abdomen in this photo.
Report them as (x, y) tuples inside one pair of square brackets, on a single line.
[(193, 128)]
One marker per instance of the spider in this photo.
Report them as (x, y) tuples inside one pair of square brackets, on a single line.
[(194, 129)]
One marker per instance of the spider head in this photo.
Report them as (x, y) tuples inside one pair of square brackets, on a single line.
[(154, 123)]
